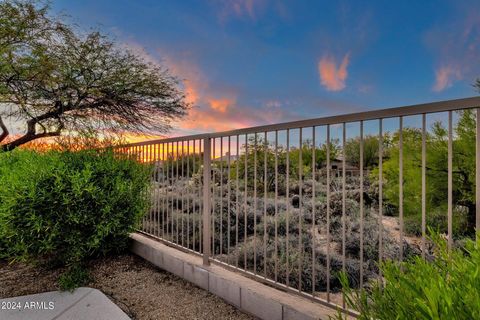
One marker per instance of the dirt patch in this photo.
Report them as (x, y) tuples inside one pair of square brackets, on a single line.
[(139, 288), (392, 225)]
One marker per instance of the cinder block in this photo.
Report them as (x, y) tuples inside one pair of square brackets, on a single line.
[(157, 258), (173, 265), (142, 249), (292, 314), (196, 275), (225, 289), (261, 306)]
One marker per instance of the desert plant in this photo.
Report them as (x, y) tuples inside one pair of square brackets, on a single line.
[(448, 287), (64, 208)]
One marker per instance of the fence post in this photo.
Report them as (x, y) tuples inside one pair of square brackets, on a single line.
[(207, 204), (477, 175)]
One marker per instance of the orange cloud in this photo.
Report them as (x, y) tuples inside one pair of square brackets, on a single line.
[(331, 77), (213, 109), (200, 119), (221, 105), (181, 65), (445, 76)]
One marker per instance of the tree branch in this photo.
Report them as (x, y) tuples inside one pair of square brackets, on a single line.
[(4, 128), (32, 135), (27, 138)]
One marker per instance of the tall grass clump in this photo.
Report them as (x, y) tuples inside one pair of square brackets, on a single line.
[(63, 208), (447, 287)]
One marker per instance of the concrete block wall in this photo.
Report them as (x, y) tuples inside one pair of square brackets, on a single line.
[(248, 295)]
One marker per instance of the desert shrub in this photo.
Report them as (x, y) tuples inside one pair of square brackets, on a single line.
[(64, 208), (448, 287), (220, 217), (297, 268), (437, 219), (370, 239), (183, 228)]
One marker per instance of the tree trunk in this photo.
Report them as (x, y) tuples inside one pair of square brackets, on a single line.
[(4, 130), (27, 138), (471, 222)]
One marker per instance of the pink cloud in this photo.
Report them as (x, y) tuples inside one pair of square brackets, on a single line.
[(455, 45), (445, 76), (332, 77)]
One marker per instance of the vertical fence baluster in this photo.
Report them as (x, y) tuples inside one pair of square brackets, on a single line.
[(344, 193), (255, 205), (328, 213), (177, 153), (245, 205), (182, 195), (167, 194), (287, 196), (164, 185), (220, 197), (314, 216), (156, 185), (477, 173), (214, 141), (265, 207), (276, 206), (400, 184), (206, 202), (300, 207), (152, 195), (380, 194), (228, 200), (189, 194), (139, 156), (172, 194), (361, 204), (160, 178), (237, 205), (201, 237), (194, 196), (450, 182), (424, 205), (146, 161), (153, 192)]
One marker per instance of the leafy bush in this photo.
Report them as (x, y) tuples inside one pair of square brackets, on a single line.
[(446, 288), (437, 219), (63, 208)]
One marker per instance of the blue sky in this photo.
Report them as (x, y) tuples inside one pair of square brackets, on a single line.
[(253, 62)]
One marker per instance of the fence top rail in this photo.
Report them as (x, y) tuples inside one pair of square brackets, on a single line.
[(411, 110)]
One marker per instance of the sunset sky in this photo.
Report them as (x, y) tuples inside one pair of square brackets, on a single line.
[(253, 62)]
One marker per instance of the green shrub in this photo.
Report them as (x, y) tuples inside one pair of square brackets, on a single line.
[(63, 208), (446, 288), (437, 219)]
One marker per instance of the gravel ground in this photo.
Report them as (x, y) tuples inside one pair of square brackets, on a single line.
[(139, 288)]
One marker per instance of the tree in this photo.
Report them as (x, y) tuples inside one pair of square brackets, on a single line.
[(267, 150), (463, 170), (56, 80), (370, 150)]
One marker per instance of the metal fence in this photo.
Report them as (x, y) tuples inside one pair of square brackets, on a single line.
[(292, 205)]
